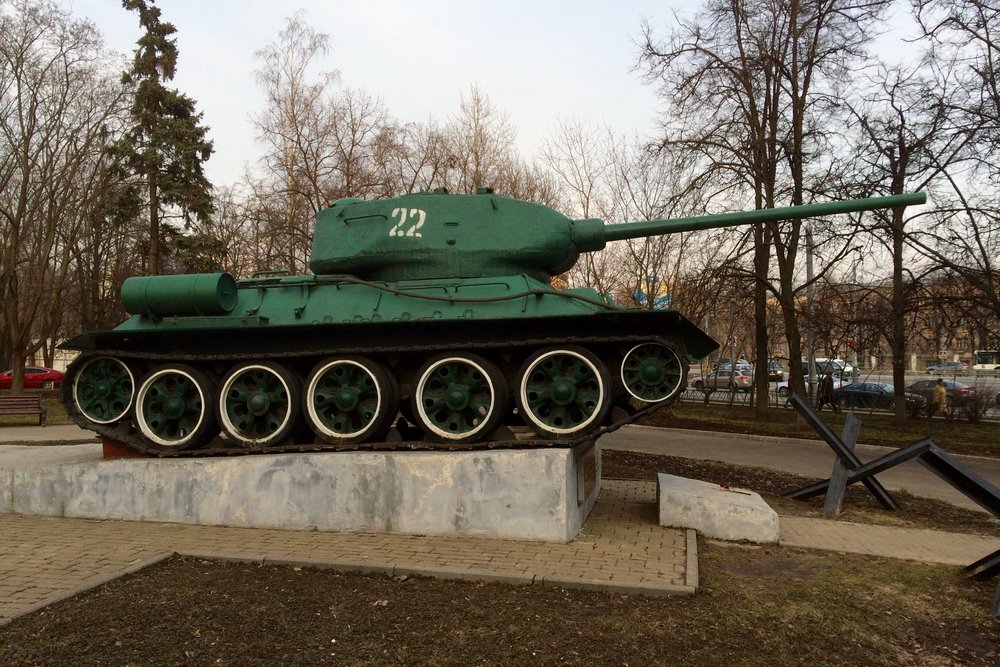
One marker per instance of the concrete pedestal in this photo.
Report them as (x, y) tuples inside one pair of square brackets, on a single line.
[(714, 511), (527, 494)]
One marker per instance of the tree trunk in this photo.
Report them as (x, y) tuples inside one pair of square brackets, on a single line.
[(898, 343), (154, 225), (761, 259)]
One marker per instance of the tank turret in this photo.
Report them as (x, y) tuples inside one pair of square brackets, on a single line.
[(428, 320), (437, 235)]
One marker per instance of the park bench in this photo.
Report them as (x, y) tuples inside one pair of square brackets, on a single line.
[(23, 404)]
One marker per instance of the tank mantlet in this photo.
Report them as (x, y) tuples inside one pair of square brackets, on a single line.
[(438, 235)]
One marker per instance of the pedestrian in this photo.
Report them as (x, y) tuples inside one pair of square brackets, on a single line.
[(824, 393), (940, 398)]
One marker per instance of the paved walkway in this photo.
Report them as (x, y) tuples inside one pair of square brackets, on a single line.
[(52, 433), (620, 547), (929, 546)]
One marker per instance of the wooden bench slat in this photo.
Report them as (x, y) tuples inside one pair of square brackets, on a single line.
[(24, 405)]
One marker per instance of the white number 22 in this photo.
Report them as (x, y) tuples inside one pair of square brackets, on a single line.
[(406, 226)]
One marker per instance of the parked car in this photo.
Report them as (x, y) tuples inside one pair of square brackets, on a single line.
[(960, 395), (724, 379), (783, 390), (876, 395), (722, 362), (726, 364), (947, 368), (839, 367), (35, 377), (742, 366)]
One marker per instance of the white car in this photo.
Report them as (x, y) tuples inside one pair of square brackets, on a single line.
[(784, 391), (840, 368)]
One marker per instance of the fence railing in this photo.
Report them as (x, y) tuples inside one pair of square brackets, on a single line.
[(987, 409)]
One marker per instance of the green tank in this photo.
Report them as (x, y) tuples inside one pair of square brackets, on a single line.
[(428, 318)]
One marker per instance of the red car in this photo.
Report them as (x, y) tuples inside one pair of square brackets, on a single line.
[(35, 377)]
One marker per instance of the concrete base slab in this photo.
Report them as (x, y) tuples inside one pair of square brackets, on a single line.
[(714, 511), (506, 494)]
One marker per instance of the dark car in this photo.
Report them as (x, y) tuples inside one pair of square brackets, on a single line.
[(959, 394), (35, 377), (775, 373), (876, 395)]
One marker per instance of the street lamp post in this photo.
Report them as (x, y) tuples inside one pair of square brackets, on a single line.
[(854, 312), (810, 293)]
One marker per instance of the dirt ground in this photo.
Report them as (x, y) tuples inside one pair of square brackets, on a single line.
[(769, 606), (859, 505)]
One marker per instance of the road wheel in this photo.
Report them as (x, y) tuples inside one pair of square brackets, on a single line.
[(103, 389), (652, 372), (783, 392), (350, 400), (459, 398), (259, 404), (175, 408), (563, 392)]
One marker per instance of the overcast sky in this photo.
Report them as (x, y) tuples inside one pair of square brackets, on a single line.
[(538, 60)]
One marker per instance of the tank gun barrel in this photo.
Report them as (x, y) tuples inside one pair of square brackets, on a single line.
[(632, 230)]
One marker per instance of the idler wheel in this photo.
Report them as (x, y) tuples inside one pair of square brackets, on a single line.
[(459, 398), (652, 372), (102, 389), (563, 392), (175, 408), (350, 400), (259, 404)]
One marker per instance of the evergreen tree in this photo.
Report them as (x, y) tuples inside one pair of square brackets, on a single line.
[(166, 145)]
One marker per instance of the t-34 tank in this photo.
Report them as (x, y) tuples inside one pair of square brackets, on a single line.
[(433, 308)]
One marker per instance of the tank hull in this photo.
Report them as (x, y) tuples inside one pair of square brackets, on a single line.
[(286, 330)]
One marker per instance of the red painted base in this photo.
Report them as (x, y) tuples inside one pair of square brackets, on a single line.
[(116, 450)]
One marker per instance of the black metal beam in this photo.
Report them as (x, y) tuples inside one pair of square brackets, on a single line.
[(976, 488), (846, 455), (881, 464), (985, 567)]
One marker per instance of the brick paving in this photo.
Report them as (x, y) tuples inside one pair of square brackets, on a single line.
[(621, 548)]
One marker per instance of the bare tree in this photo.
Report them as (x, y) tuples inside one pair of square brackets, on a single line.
[(293, 128), (747, 82), (910, 137), (57, 105), (480, 145), (962, 234), (322, 143)]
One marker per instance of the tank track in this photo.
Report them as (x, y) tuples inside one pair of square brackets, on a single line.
[(124, 434)]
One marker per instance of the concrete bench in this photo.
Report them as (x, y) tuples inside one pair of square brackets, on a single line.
[(23, 404)]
